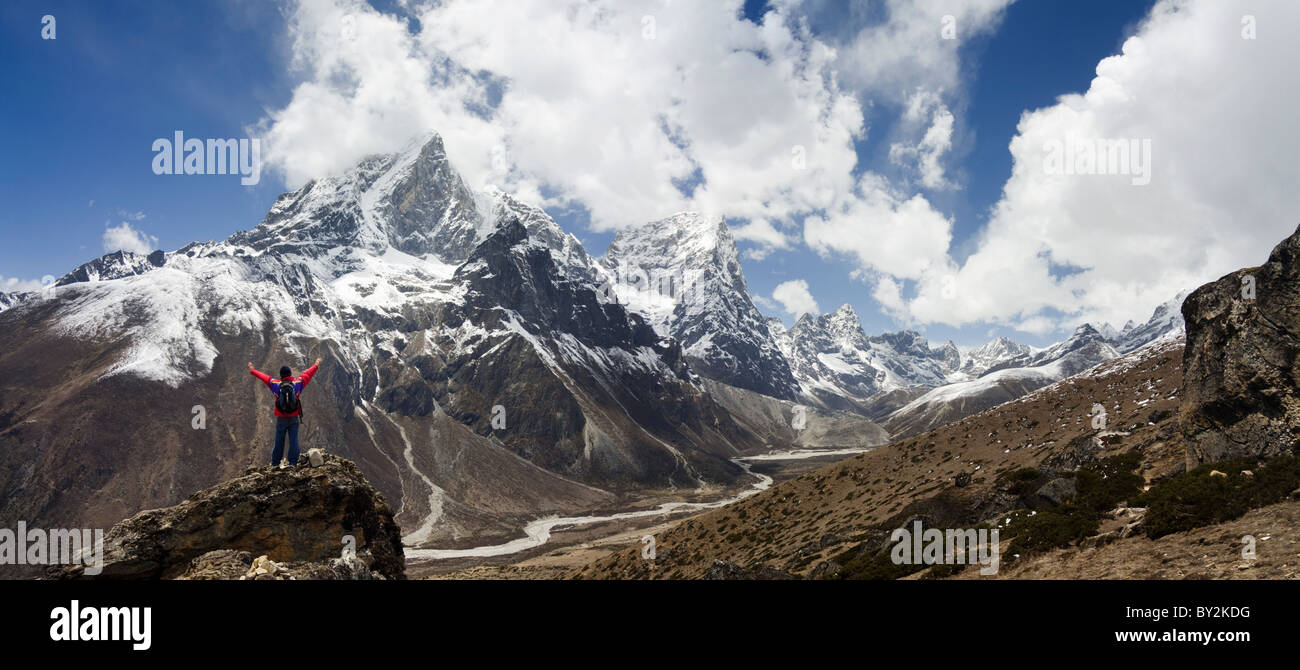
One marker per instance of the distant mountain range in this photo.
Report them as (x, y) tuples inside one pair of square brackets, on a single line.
[(481, 367)]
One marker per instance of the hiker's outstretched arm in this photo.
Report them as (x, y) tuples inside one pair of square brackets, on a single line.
[(309, 373), (266, 379)]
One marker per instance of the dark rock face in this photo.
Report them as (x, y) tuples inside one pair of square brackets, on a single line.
[(421, 206), (298, 516), (1241, 383), (114, 266), (510, 278), (1058, 490), (694, 259)]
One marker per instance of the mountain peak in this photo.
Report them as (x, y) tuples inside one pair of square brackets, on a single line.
[(412, 200), (843, 324), (1084, 330), (844, 311), (683, 274), (906, 342)]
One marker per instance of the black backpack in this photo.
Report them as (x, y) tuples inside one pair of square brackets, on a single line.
[(287, 400)]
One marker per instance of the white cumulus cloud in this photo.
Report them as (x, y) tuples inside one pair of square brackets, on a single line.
[(633, 109), (1208, 116), (1217, 112), (795, 298), (125, 238)]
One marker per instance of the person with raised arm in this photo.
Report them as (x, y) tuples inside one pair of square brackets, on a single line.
[(288, 408)]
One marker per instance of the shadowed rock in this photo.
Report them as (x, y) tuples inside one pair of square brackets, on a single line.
[(1240, 393), (298, 516)]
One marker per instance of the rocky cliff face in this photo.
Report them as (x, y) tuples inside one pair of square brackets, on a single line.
[(1241, 383), (299, 517), (683, 275)]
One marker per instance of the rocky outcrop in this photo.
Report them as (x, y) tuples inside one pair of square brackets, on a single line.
[(1241, 390), (240, 565), (297, 519)]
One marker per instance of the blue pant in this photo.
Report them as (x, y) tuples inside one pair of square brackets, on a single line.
[(283, 426)]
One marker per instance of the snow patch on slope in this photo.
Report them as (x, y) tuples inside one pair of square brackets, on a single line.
[(156, 311)]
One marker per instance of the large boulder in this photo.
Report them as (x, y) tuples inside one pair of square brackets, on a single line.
[(296, 516), (1241, 382)]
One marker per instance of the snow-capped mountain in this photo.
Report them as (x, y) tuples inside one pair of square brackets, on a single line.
[(1084, 346), (473, 367), (480, 366), (1003, 370), (1003, 381), (412, 202), (1166, 321), (838, 366), (991, 354), (113, 266), (682, 274), (8, 300)]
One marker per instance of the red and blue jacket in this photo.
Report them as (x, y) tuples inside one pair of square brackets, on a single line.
[(274, 384)]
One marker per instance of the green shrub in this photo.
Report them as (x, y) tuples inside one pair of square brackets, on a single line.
[(1101, 486), (874, 565), (1106, 483), (1050, 529), (1194, 499), (1021, 482), (944, 570)]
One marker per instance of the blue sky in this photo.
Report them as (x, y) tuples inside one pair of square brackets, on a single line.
[(83, 109), (1042, 50)]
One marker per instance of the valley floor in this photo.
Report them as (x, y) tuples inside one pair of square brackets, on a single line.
[(1211, 552), (570, 549)]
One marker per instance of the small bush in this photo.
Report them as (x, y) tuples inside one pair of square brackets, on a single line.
[(944, 570), (1106, 483), (1194, 499), (1021, 482), (874, 565), (1101, 486), (1050, 529)]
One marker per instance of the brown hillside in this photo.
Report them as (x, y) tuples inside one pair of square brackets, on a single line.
[(798, 526)]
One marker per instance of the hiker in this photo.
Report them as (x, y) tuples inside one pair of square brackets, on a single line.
[(288, 409)]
